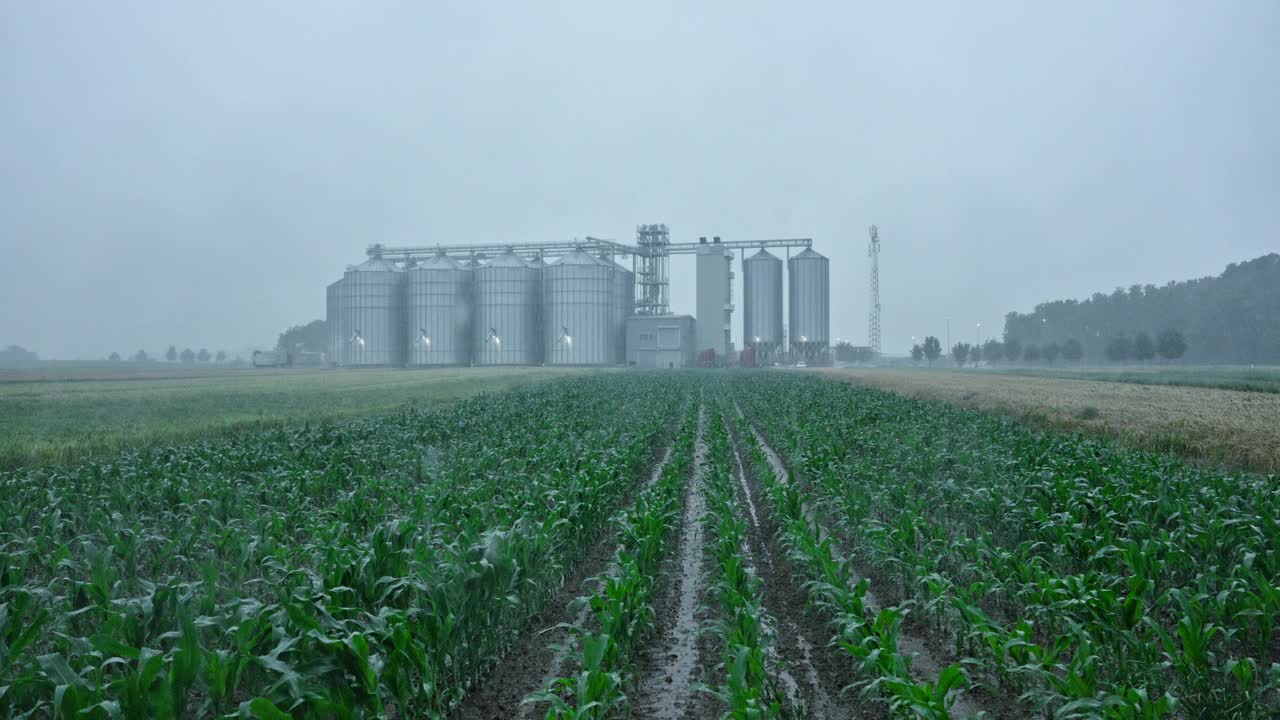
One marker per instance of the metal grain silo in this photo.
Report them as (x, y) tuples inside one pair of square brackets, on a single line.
[(577, 311), (438, 307), (333, 319), (624, 306), (373, 314), (809, 293), (505, 329), (762, 304)]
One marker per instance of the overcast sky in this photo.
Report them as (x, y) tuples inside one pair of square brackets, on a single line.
[(196, 173)]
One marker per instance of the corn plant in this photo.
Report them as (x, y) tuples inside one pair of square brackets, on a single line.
[(622, 607), (1075, 574), (377, 566)]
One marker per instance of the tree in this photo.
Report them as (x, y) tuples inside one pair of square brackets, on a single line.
[(203, 356), (18, 356), (1171, 344), (1231, 318), (1072, 350), (1143, 347), (171, 354), (1031, 354), (114, 357), (917, 353), (932, 349), (1119, 349), (1012, 350), (188, 356), (992, 351), (313, 337), (222, 356), (140, 356), (1051, 352), (975, 354), (960, 353)]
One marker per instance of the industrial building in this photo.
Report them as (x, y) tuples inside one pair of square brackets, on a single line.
[(576, 303)]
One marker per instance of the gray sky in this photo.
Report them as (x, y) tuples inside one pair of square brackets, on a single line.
[(196, 173)]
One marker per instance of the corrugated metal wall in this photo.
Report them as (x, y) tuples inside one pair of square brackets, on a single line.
[(506, 330), (578, 326), (373, 314), (439, 309), (809, 291), (762, 303)]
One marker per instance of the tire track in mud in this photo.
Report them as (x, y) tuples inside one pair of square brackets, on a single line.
[(533, 663), (668, 667), (821, 672), (926, 665)]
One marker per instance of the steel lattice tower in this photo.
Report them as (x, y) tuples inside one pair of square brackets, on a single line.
[(652, 283), (873, 322)]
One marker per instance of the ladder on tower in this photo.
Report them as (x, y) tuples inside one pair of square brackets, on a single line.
[(873, 322)]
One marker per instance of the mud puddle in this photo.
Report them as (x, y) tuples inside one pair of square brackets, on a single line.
[(669, 667)]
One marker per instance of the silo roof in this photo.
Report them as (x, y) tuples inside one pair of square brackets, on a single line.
[(577, 257), (810, 254), (765, 255), (440, 261), (508, 260), (375, 264)]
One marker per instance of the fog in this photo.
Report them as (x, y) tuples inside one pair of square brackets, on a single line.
[(196, 173)]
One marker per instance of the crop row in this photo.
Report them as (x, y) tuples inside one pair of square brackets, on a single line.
[(622, 607), (749, 686), (1087, 580), (381, 565), (868, 635)]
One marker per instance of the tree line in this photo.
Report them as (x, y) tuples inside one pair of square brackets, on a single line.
[(1169, 345), (1231, 318)]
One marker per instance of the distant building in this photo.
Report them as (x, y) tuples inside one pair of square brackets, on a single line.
[(660, 341)]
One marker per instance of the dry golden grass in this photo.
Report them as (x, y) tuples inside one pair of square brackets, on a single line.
[(1235, 428)]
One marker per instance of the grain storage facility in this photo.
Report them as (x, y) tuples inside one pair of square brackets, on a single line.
[(372, 314), (333, 302), (505, 304), (809, 295), (577, 311), (762, 305), (438, 310), (624, 303), (505, 330)]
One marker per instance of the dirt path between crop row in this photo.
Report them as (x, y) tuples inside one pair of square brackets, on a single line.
[(811, 671), (669, 666), (533, 663), (926, 664)]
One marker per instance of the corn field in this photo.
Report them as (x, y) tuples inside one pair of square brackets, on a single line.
[(684, 545)]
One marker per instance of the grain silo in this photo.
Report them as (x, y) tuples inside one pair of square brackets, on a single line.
[(373, 314), (578, 327), (439, 309), (809, 295), (333, 320), (624, 306), (505, 328), (762, 304)]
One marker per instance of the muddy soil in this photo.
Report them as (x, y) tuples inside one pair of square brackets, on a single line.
[(533, 663), (670, 666)]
